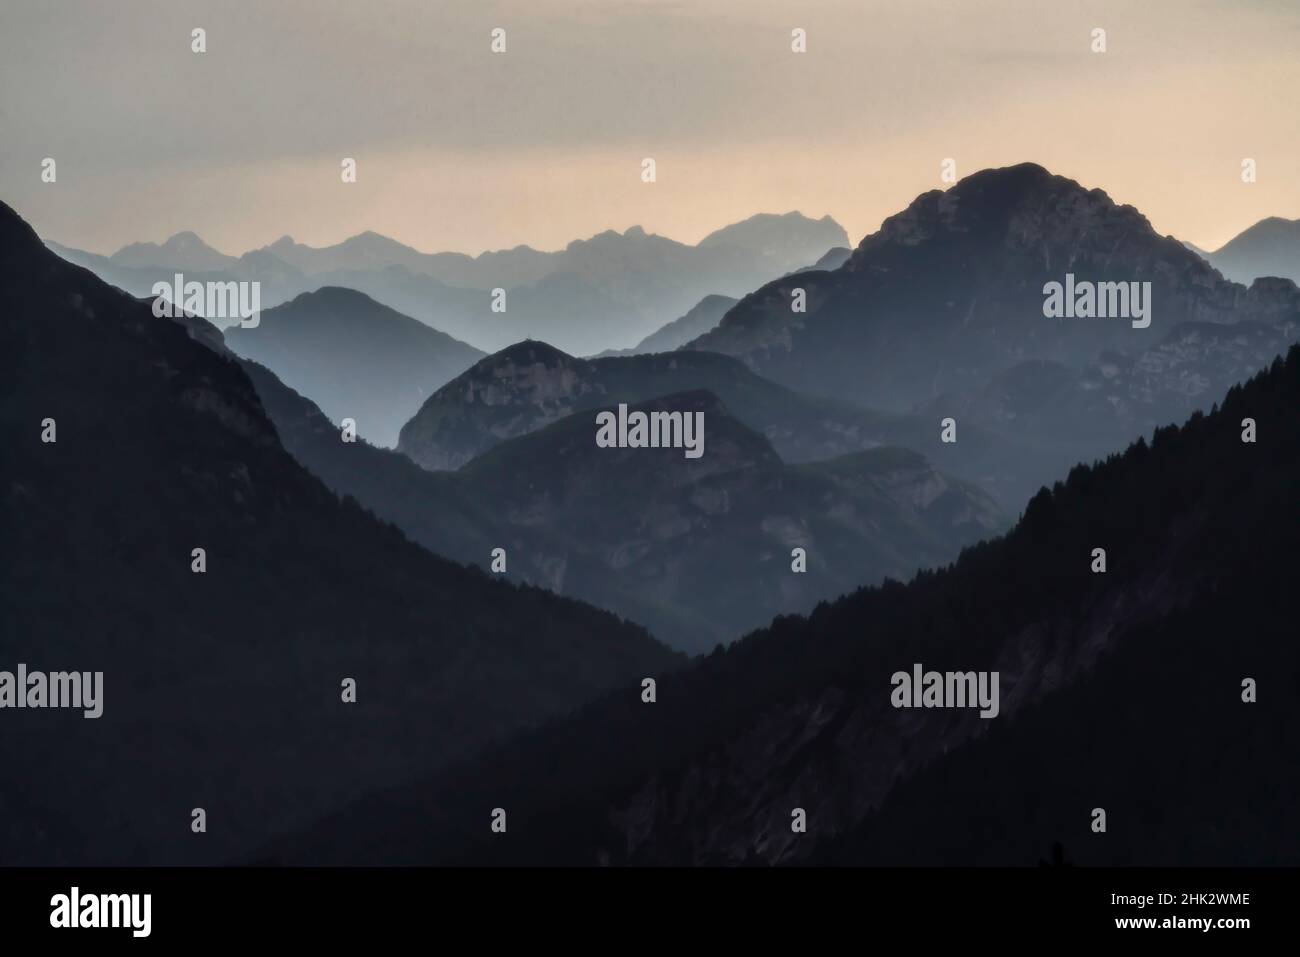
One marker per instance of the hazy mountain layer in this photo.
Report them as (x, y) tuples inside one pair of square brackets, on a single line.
[(609, 291), (184, 251), (356, 358), (834, 259), (1269, 248), (702, 317)]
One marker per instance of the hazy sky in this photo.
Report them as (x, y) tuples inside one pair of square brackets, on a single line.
[(459, 148)]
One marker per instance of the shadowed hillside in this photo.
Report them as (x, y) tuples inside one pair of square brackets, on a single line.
[(1120, 690), (222, 689)]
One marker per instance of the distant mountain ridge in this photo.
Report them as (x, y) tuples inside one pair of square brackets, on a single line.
[(182, 251), (608, 291), (1269, 248)]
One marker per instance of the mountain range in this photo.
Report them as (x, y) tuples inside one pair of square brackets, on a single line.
[(881, 436), (1123, 690), (131, 442), (184, 251), (941, 313), (697, 550), (609, 291)]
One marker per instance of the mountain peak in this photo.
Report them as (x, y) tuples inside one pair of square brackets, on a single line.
[(1027, 171), (186, 241), (1270, 229), (15, 233), (368, 235), (1271, 247), (1015, 185), (531, 351), (607, 237), (334, 294), (369, 239), (1024, 207), (969, 265), (183, 250), (772, 232)]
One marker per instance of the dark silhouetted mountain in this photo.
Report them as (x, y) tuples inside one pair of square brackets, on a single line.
[(1269, 248), (184, 252), (222, 690), (1120, 690), (356, 358)]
